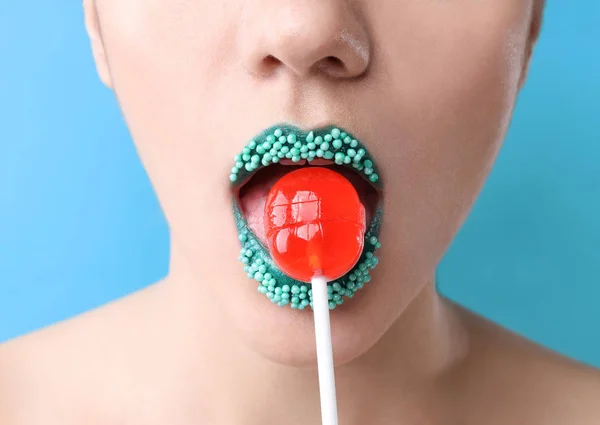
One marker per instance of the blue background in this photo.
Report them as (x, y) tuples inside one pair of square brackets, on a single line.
[(80, 226)]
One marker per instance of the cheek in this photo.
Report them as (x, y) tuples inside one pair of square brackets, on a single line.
[(167, 60), (454, 78)]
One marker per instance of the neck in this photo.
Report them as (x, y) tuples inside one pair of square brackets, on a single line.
[(236, 385)]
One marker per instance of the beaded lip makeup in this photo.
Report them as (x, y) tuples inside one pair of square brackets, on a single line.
[(269, 156)]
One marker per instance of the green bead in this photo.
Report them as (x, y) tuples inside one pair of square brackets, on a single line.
[(369, 255), (343, 135), (233, 177), (325, 146), (295, 300), (258, 276), (278, 291), (262, 269), (291, 139), (373, 177), (275, 159), (368, 171), (296, 158), (262, 290), (310, 137), (328, 155), (337, 297), (347, 139), (282, 139), (280, 155), (237, 158), (304, 303), (272, 282), (336, 133), (353, 143), (373, 240), (260, 150), (304, 155), (352, 277), (285, 296), (270, 295), (294, 305), (277, 145), (252, 144), (235, 170), (351, 285), (249, 253), (302, 295), (361, 152), (285, 149), (303, 149), (271, 288), (277, 298), (304, 288), (332, 305), (368, 163), (318, 140), (295, 151), (267, 157), (270, 138), (378, 245), (339, 158), (245, 260), (295, 289), (259, 261), (255, 158), (278, 132), (351, 153), (329, 289), (336, 286), (239, 164), (320, 153), (286, 288), (267, 145), (246, 157), (311, 146), (311, 155), (367, 278), (337, 144), (328, 138), (347, 159)]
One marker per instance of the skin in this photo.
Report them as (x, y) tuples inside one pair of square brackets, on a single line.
[(430, 87)]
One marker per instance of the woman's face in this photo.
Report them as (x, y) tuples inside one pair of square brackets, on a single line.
[(428, 86)]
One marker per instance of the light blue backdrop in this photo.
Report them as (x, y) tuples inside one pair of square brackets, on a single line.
[(79, 224)]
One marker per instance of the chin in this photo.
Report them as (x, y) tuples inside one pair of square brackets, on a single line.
[(287, 337)]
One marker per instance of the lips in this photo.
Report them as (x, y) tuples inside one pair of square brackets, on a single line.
[(268, 157)]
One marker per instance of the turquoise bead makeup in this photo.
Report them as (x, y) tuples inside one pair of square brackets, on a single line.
[(286, 143)]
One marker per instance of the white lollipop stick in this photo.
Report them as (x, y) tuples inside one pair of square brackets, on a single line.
[(324, 351)]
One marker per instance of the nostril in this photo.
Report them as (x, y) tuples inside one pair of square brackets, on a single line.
[(331, 65), (334, 62), (270, 63)]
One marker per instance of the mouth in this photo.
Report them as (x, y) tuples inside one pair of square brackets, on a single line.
[(262, 162)]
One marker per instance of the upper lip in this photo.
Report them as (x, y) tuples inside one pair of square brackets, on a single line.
[(287, 142)]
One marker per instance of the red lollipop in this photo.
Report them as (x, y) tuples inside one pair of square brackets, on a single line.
[(315, 224)]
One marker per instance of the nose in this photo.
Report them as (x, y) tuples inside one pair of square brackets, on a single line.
[(304, 37)]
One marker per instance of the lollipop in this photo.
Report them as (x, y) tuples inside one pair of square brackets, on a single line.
[(315, 226)]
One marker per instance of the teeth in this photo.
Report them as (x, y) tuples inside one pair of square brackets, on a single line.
[(290, 162)]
